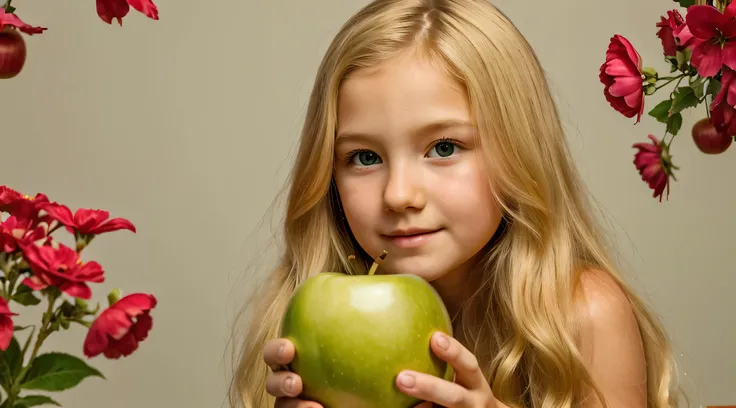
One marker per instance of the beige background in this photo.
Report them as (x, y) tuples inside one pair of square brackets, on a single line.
[(186, 126)]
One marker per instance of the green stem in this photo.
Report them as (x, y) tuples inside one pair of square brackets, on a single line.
[(43, 333), (7, 5), (669, 81)]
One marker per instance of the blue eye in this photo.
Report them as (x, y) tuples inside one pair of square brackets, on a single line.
[(365, 158), (444, 149)]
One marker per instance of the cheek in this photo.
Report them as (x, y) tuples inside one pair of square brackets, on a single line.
[(470, 208), (361, 202)]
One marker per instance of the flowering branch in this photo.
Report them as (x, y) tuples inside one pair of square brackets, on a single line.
[(13, 46), (701, 53), (33, 265)]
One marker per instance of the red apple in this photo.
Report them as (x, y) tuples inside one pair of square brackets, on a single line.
[(12, 52), (708, 139)]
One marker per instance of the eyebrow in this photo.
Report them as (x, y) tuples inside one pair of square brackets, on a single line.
[(427, 128)]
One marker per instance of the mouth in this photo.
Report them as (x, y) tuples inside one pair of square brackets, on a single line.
[(413, 238)]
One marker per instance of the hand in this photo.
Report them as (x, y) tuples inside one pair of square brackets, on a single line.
[(282, 384), (470, 390)]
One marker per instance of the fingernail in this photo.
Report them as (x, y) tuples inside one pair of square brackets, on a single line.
[(406, 380), (443, 342), (288, 384), (281, 351)]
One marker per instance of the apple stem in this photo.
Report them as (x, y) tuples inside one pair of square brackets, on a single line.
[(377, 262)]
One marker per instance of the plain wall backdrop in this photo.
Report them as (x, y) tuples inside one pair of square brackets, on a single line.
[(187, 126)]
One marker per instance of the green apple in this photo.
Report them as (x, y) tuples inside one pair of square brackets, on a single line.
[(353, 334)]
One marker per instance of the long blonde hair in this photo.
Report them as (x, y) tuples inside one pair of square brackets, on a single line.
[(520, 322)]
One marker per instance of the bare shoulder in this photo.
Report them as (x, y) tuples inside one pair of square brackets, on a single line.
[(610, 341), (605, 304)]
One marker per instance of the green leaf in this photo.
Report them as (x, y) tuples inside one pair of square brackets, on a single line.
[(34, 401), (684, 98), (10, 9), (661, 111), (57, 372), (11, 362), (699, 87), (714, 86), (674, 124), (687, 3), (24, 295)]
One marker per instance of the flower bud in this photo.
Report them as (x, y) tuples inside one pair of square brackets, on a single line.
[(114, 296), (650, 73)]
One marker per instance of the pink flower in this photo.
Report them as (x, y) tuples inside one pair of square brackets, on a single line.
[(655, 166), (120, 328), (6, 324), (10, 19), (622, 77), (61, 268), (717, 35), (86, 221), (117, 9), (722, 112), (674, 33)]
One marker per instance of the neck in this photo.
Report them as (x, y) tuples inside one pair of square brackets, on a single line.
[(453, 289)]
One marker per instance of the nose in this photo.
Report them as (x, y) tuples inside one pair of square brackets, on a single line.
[(404, 189)]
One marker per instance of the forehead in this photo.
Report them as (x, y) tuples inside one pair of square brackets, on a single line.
[(401, 94)]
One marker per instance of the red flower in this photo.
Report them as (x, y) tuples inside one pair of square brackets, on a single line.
[(722, 112), (16, 233), (21, 206), (622, 76), (61, 268), (10, 19), (6, 324), (717, 33), (655, 166), (86, 221), (674, 33), (115, 333), (117, 9)]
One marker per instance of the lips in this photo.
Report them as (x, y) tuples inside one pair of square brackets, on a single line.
[(412, 238), (410, 232)]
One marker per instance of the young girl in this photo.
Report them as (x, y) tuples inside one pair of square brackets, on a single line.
[(431, 133)]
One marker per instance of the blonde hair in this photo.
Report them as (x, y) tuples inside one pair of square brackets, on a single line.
[(521, 322)]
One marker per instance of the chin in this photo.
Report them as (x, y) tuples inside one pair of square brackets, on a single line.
[(425, 267)]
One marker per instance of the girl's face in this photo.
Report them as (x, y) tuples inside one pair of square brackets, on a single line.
[(409, 174)]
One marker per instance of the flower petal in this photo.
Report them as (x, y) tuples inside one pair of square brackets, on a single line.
[(707, 58), (729, 54), (6, 331), (143, 325), (113, 225), (108, 10), (35, 283), (705, 21), (136, 303), (76, 289), (624, 86), (60, 213), (146, 7), (12, 20)]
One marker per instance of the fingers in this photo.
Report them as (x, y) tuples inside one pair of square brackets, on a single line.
[(467, 370), (283, 384), (434, 389), (278, 352), (295, 403)]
